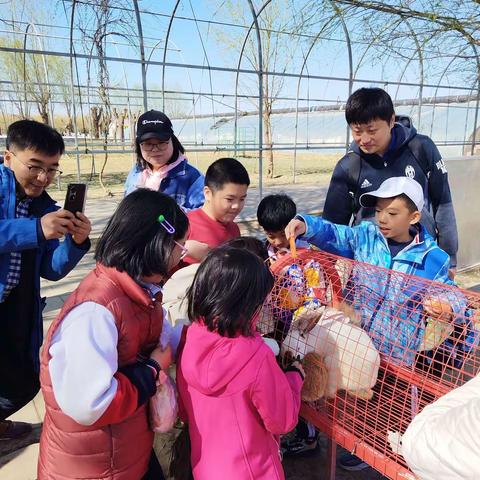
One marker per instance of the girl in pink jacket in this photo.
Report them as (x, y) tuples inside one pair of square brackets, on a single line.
[(236, 399)]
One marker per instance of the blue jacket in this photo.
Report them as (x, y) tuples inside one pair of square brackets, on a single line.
[(387, 304), (183, 183), (409, 154), (53, 260)]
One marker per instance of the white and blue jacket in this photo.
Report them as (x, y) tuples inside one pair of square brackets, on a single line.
[(389, 305)]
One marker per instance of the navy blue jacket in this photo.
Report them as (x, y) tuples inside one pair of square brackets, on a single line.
[(438, 216), (53, 260)]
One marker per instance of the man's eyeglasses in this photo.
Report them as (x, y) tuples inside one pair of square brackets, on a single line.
[(183, 248), (149, 147), (37, 171)]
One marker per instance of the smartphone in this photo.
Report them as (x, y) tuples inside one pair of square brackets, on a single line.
[(75, 198)]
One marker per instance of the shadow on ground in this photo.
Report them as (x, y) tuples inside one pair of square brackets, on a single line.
[(9, 449)]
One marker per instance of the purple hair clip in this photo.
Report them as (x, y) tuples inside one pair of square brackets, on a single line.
[(166, 224)]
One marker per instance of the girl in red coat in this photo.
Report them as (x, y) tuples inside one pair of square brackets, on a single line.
[(103, 352)]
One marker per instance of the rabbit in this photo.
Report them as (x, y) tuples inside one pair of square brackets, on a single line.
[(351, 359)]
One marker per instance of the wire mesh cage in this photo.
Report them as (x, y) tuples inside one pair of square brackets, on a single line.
[(377, 346)]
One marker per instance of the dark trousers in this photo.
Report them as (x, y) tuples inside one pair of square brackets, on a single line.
[(19, 381), (154, 471)]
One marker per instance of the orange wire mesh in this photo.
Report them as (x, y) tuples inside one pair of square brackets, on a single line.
[(390, 344)]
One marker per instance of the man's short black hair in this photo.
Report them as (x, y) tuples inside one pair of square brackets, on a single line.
[(229, 288), (275, 211), (367, 104), (30, 134), (226, 170), (134, 241)]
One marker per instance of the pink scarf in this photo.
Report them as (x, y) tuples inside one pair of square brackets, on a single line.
[(151, 179)]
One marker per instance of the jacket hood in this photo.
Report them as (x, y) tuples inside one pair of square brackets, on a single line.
[(219, 366), (402, 132)]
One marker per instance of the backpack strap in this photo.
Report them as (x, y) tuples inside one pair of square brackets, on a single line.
[(353, 168)]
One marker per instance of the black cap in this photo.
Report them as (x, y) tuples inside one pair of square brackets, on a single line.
[(153, 124)]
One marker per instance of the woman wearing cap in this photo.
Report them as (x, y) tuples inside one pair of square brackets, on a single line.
[(161, 164)]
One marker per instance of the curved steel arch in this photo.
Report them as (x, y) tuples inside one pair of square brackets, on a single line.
[(260, 93), (142, 54), (372, 43), (350, 62), (304, 64), (438, 86), (422, 72), (254, 23), (45, 69), (240, 58), (167, 37)]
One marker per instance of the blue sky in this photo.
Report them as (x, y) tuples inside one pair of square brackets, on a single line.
[(189, 40)]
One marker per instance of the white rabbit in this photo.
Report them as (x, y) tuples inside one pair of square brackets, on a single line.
[(351, 359)]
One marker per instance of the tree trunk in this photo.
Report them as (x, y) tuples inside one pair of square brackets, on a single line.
[(44, 115), (95, 114), (267, 141), (121, 126)]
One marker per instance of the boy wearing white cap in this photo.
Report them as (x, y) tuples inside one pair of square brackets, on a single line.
[(397, 240), (387, 306)]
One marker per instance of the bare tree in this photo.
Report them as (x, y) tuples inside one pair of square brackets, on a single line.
[(97, 22), (278, 42)]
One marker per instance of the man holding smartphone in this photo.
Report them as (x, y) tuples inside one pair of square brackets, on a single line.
[(31, 225)]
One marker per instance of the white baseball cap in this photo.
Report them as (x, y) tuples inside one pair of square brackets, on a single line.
[(391, 188)]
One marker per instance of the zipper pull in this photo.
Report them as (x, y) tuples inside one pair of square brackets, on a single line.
[(384, 164)]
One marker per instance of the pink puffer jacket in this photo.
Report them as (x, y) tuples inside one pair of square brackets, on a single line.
[(237, 401)]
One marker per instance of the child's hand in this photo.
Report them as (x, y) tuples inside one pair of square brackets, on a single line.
[(197, 250), (295, 228), (163, 356)]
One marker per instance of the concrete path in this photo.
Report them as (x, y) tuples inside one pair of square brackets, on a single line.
[(309, 198)]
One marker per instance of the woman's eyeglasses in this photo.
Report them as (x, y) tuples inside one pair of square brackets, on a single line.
[(149, 147)]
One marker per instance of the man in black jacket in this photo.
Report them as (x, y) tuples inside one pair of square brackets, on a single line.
[(387, 146)]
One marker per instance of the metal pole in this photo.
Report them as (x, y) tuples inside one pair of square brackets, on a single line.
[(240, 58), (350, 64), (305, 58), (477, 104), (172, 16), (72, 54), (142, 55), (260, 100)]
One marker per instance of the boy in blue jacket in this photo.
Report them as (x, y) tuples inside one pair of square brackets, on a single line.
[(31, 225), (389, 307)]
